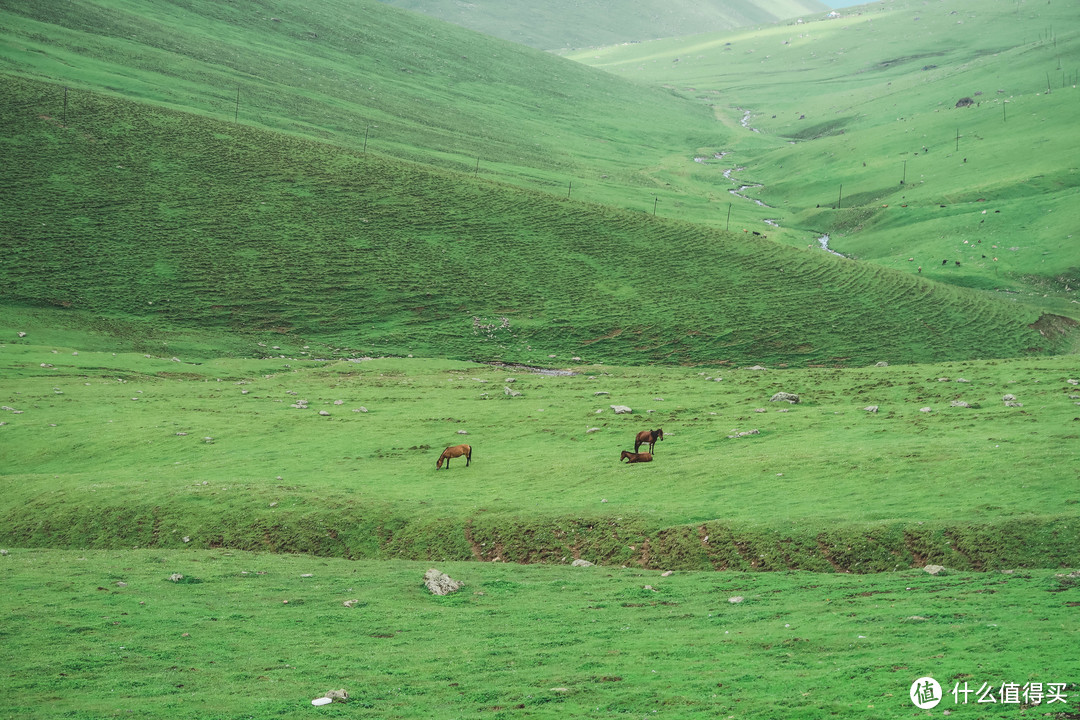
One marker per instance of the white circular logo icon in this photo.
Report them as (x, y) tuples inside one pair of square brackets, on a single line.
[(925, 693)]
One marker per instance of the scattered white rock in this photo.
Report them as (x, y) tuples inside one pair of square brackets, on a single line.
[(187, 539), (591, 430), (462, 432), (360, 409), (581, 563), (350, 603), (668, 573), (959, 404), (176, 577), (1073, 381), (934, 569), (511, 393), (22, 334), (735, 600), (926, 409), (881, 364), (324, 413), (1008, 397), (601, 392), (621, 409), (785, 397), (745, 433), (339, 402), (871, 408)]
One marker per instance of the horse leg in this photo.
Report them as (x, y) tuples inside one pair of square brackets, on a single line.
[(468, 459)]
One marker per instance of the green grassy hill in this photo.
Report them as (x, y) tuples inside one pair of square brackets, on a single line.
[(861, 112), (563, 25), (366, 75), (188, 223)]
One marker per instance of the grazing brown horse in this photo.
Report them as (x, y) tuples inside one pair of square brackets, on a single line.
[(633, 457), (452, 452), (648, 436)]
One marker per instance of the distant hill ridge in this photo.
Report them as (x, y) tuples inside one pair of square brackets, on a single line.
[(566, 24)]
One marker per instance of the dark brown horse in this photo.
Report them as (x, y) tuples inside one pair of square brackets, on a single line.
[(452, 452), (648, 436), (633, 457)]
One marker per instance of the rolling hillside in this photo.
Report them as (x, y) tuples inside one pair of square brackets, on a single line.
[(137, 213), (563, 25), (365, 75)]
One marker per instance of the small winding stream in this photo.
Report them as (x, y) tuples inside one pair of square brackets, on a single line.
[(824, 242)]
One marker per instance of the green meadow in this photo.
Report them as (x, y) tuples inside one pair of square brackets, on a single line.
[(101, 634), (261, 262)]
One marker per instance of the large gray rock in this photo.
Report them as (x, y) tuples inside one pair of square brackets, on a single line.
[(785, 397), (440, 583), (621, 409)]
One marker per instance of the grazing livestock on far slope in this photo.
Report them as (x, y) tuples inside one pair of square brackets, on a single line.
[(453, 452)]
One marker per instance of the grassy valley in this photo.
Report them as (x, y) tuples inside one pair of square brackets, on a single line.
[(261, 262), (562, 25), (879, 156)]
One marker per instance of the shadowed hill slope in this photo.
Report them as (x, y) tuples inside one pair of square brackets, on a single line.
[(135, 212), (563, 24)]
